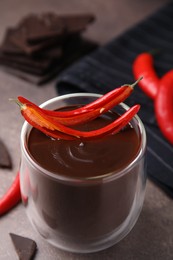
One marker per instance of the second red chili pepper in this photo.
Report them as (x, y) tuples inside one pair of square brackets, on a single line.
[(164, 106), (12, 197), (143, 65), (159, 89)]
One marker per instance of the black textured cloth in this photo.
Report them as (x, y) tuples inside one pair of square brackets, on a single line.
[(111, 65)]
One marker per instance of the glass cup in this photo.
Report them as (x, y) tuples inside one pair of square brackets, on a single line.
[(83, 214)]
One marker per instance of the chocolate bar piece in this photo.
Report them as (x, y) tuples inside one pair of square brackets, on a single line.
[(40, 63), (47, 30), (40, 46), (41, 27), (37, 66), (50, 25), (18, 37), (5, 159), (9, 48), (76, 23), (25, 247), (73, 50)]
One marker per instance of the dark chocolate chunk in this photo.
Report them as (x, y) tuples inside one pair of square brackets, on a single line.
[(9, 48), (35, 62), (40, 46), (54, 52), (76, 23), (5, 159), (73, 50), (27, 64), (47, 30), (18, 37), (25, 247), (50, 25), (42, 27)]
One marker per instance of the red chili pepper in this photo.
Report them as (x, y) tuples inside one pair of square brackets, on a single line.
[(12, 197), (123, 92), (92, 110), (164, 106), (143, 65), (101, 105), (58, 114), (46, 124)]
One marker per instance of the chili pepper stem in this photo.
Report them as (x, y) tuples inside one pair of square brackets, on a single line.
[(135, 83), (21, 105)]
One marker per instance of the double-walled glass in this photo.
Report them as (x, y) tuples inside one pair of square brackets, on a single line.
[(83, 214)]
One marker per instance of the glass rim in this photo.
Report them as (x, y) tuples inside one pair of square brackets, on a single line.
[(104, 177)]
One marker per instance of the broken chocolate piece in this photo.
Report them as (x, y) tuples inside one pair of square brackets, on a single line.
[(5, 159), (34, 62), (40, 46), (30, 65), (42, 27), (50, 25), (18, 38), (25, 247), (47, 30), (9, 48), (76, 23), (73, 50), (37, 65)]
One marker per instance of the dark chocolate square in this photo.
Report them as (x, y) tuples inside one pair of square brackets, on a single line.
[(49, 25), (41, 27), (5, 159), (73, 50), (35, 65), (25, 247), (18, 36), (8, 47)]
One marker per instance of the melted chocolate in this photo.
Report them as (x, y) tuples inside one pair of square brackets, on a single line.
[(77, 213), (85, 158)]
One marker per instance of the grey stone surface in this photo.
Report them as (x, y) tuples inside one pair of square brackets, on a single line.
[(152, 236)]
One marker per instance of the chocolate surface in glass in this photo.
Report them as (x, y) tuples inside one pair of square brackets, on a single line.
[(82, 158), (77, 200)]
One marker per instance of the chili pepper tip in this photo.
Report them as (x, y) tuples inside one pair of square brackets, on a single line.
[(20, 104), (135, 83)]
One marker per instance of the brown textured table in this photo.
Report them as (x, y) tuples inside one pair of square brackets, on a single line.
[(152, 237)]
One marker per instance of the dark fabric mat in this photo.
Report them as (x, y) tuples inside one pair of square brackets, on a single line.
[(110, 66)]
